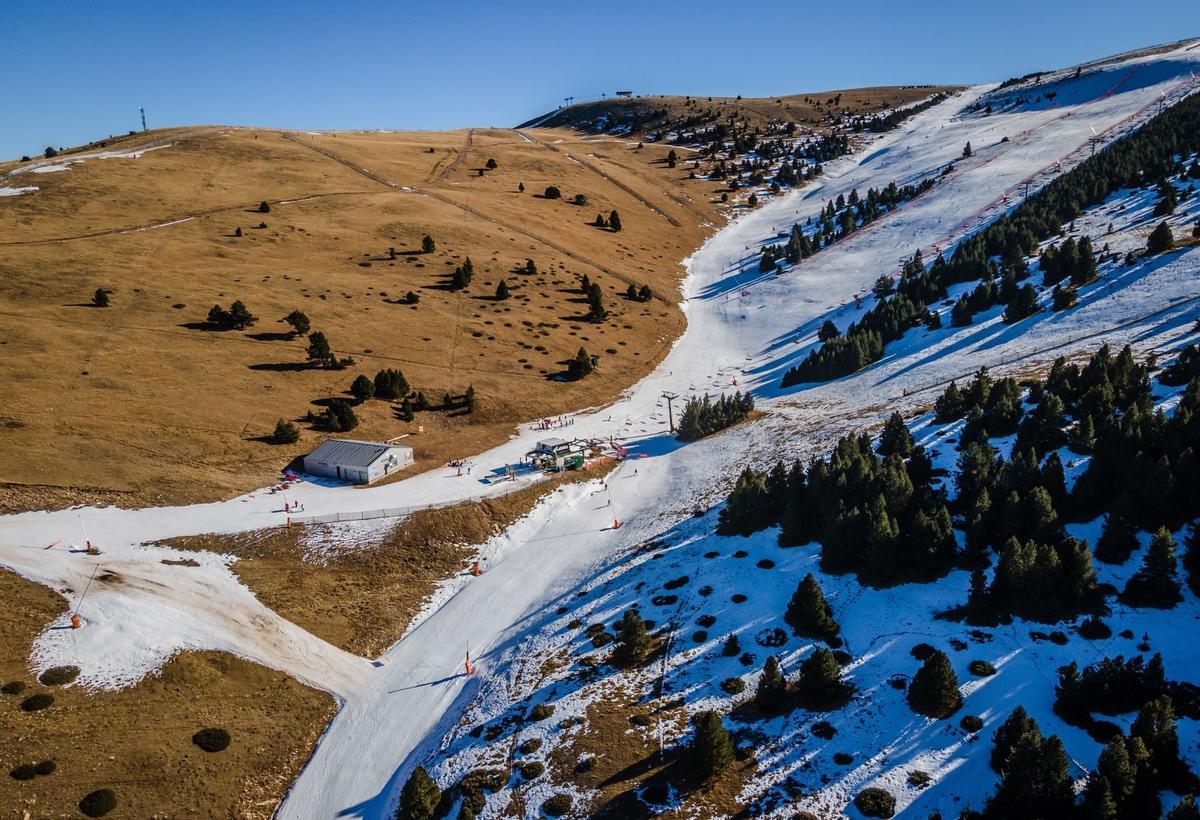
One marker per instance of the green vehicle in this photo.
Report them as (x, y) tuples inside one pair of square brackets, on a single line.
[(574, 462)]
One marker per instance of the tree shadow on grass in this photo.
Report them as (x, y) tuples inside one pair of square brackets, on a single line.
[(281, 367)]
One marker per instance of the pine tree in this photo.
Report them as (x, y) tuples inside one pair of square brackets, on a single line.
[(1017, 724), (1035, 784), (285, 432), (711, 750), (239, 316), (299, 322), (501, 291), (391, 385), (1154, 584), (633, 644), (420, 797), (469, 398), (100, 298), (1098, 800), (732, 646), (1191, 558), (895, 438), (427, 244), (319, 351), (362, 388), (1118, 537), (820, 682), (1161, 239), (1155, 726), (614, 221), (828, 332), (934, 689), (808, 613), (966, 152), (772, 687)]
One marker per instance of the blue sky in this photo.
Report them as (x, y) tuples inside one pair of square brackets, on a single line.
[(75, 71)]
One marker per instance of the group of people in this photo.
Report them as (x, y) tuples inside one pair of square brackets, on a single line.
[(550, 424)]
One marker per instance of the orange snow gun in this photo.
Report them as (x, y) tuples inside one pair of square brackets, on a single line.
[(475, 570)]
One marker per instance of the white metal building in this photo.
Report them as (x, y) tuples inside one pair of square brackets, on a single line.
[(360, 462)]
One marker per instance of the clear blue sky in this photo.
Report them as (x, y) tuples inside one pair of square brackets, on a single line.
[(74, 71)]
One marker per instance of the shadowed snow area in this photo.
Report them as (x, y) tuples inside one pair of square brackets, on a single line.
[(744, 330)]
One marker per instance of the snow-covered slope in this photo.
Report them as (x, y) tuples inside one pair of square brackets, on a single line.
[(744, 329)]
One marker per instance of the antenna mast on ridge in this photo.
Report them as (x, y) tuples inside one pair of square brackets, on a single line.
[(143, 112)]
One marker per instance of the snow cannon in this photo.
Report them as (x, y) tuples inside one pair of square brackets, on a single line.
[(76, 621)]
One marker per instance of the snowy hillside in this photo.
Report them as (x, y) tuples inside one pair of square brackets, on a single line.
[(568, 561)]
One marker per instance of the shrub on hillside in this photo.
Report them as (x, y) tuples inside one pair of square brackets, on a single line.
[(285, 433), (212, 739), (541, 711), (58, 675), (875, 802), (35, 703), (558, 805), (98, 803), (552, 192), (13, 687)]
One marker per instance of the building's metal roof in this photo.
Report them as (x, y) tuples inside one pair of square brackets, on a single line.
[(351, 453), (552, 442)]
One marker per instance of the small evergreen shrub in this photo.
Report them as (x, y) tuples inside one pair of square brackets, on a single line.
[(58, 675), (46, 767), (733, 686), (824, 730), (922, 651), (981, 669), (530, 746), (13, 687), (25, 771), (98, 803), (875, 802), (919, 779), (532, 770), (212, 739), (971, 723), (35, 703), (558, 805), (541, 711)]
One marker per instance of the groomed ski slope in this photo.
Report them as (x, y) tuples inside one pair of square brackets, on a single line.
[(741, 326)]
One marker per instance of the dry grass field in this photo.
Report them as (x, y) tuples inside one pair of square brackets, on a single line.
[(141, 402), (138, 742), (138, 403)]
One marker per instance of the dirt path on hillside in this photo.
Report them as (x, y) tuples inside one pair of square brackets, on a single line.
[(462, 156), (178, 219), (336, 157), (596, 170)]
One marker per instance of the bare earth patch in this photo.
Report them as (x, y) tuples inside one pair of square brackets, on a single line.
[(138, 741)]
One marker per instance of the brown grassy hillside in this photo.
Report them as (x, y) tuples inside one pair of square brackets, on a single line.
[(141, 402)]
